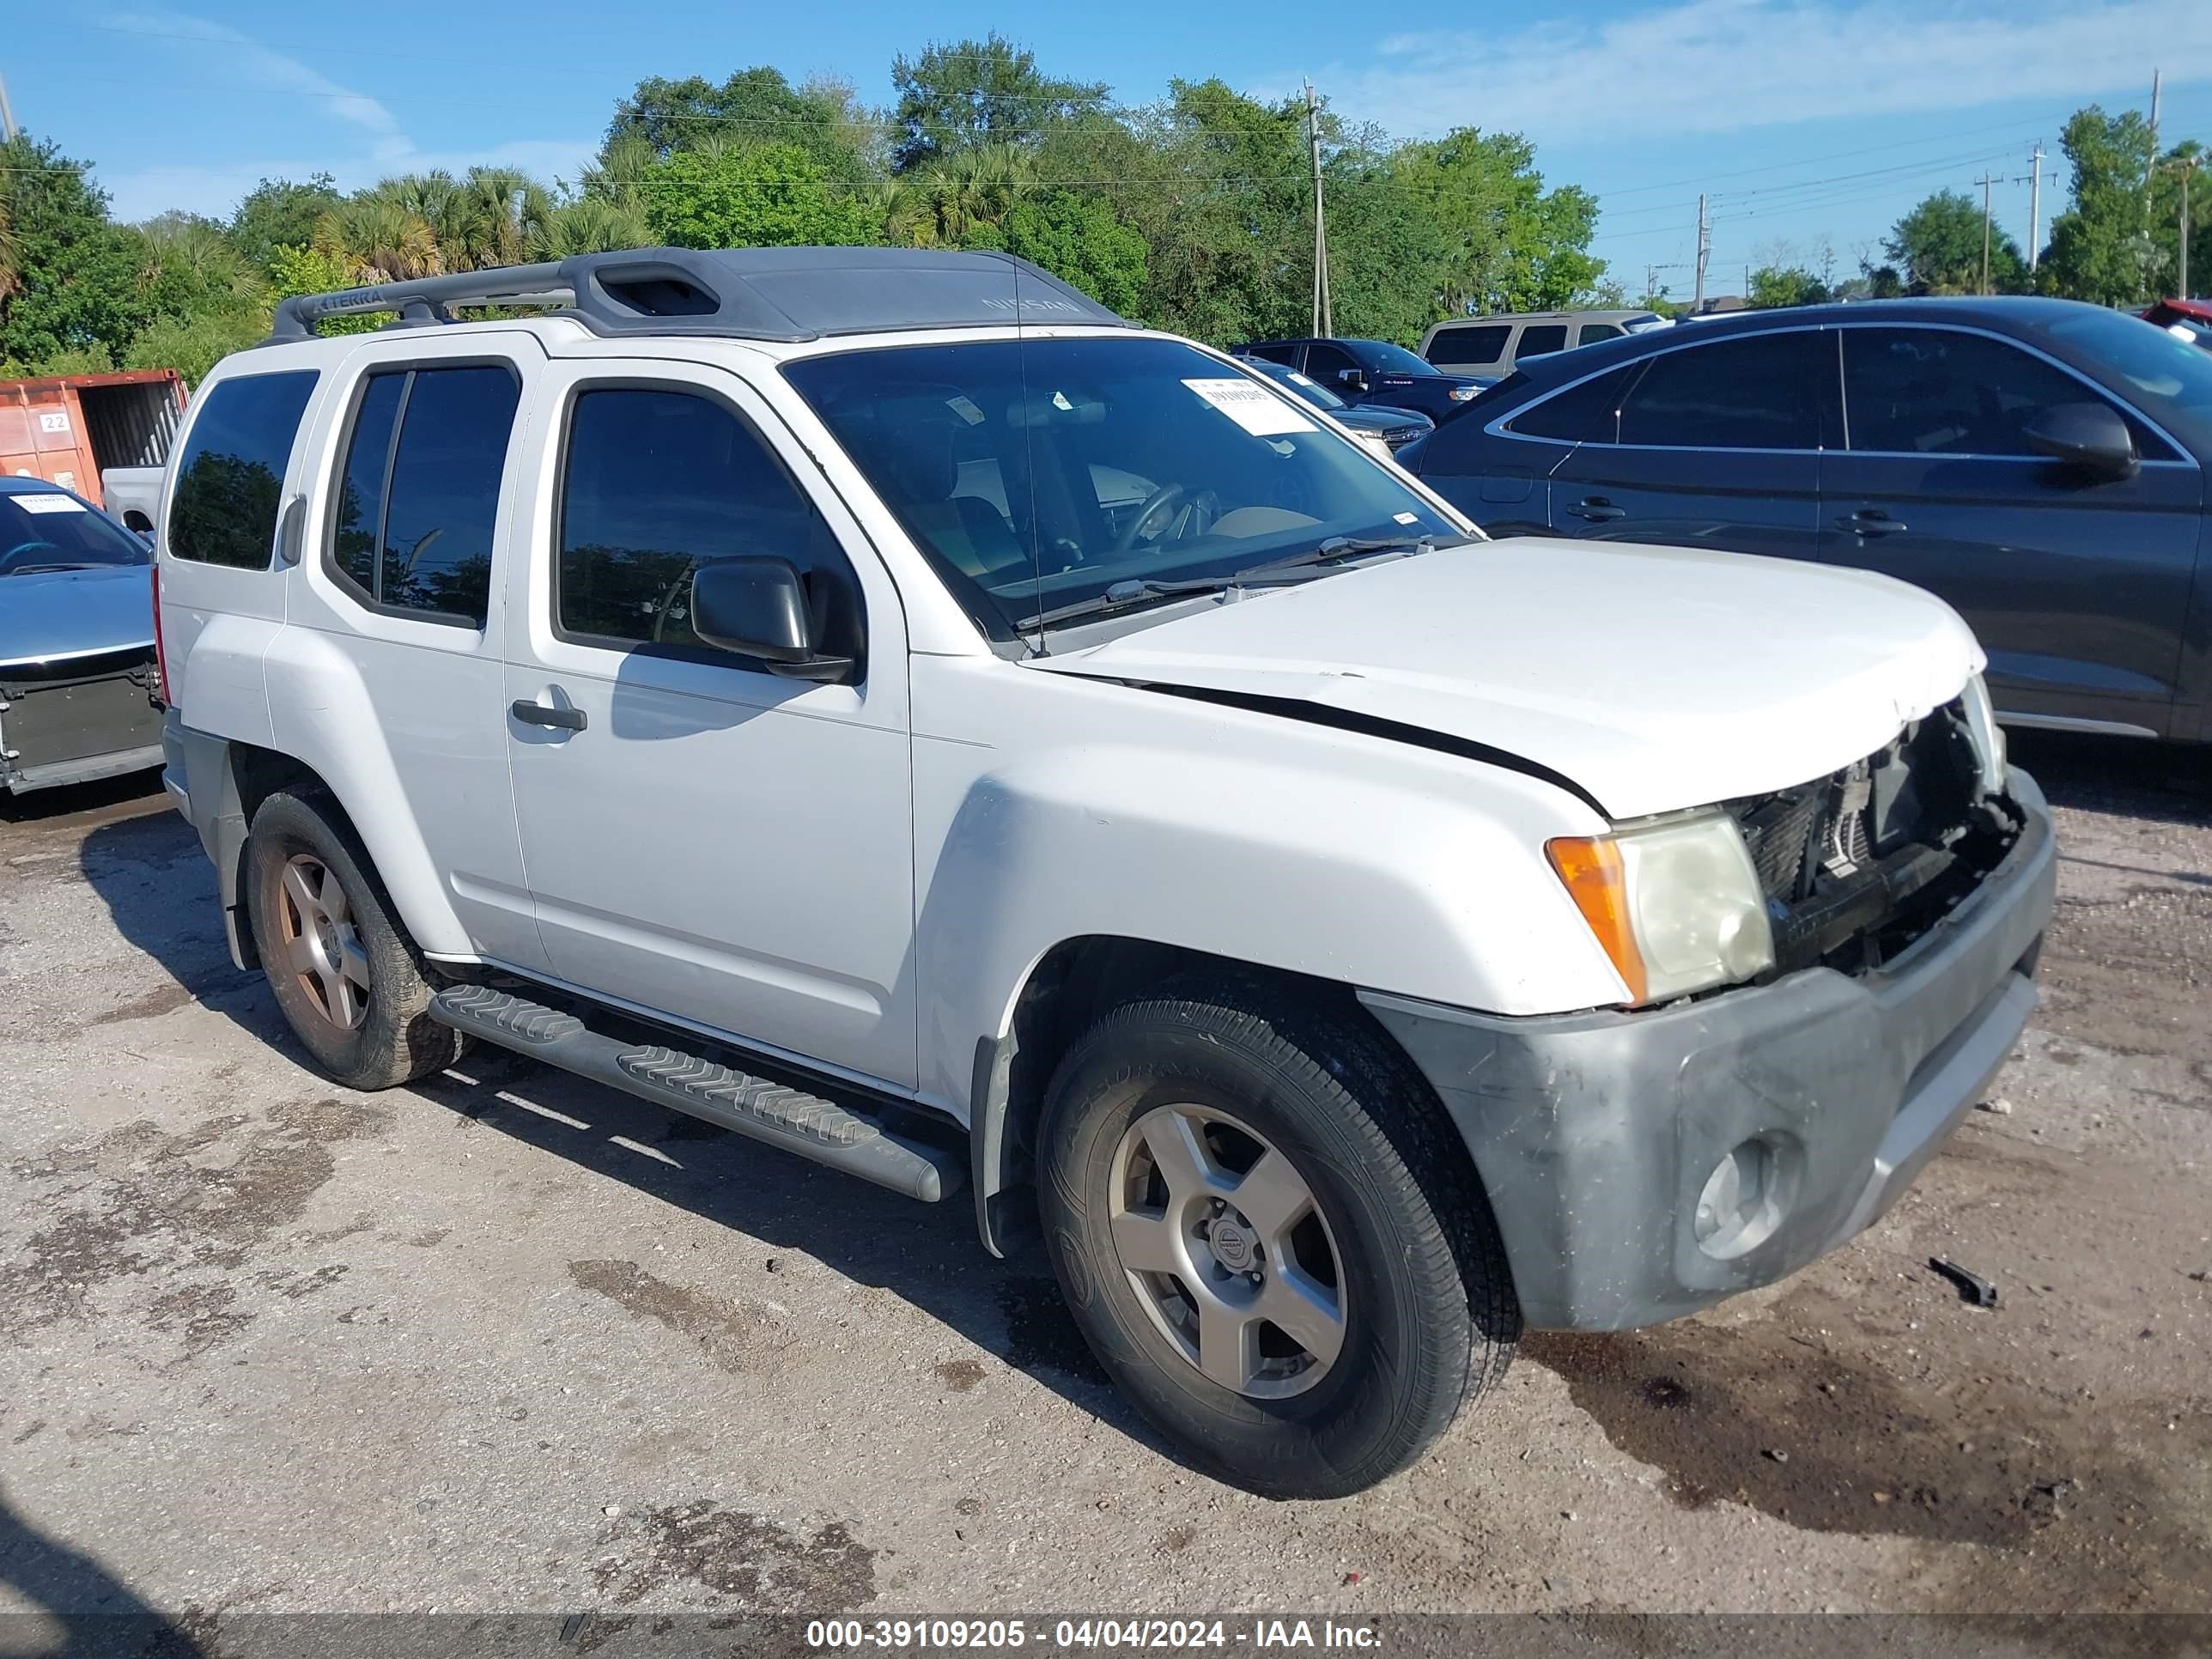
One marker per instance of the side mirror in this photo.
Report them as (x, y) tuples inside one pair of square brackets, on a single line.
[(756, 606), (1351, 378), (2092, 436)]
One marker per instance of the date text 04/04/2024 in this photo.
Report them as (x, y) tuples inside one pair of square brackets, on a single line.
[(1088, 1634)]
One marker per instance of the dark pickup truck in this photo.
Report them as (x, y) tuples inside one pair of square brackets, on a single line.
[(1366, 372)]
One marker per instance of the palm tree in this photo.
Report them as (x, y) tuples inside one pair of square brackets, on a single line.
[(976, 187), (500, 211), (590, 224), (379, 239)]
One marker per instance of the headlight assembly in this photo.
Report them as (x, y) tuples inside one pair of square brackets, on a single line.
[(1675, 904), (1987, 736)]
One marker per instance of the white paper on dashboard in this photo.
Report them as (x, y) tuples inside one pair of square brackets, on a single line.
[(1252, 406)]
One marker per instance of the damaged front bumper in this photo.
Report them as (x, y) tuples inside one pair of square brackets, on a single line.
[(1642, 1166)]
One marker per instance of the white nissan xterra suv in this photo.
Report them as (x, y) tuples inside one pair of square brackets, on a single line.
[(883, 704)]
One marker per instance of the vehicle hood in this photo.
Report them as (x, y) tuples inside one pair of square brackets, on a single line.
[(1654, 679), (46, 615), (1381, 417)]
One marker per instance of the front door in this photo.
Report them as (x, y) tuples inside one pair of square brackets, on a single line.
[(704, 838), (2077, 587), (1718, 445)]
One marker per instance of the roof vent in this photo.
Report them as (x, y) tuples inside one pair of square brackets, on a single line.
[(653, 295)]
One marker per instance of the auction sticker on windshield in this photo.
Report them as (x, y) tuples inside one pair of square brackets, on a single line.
[(1252, 406), (48, 503)]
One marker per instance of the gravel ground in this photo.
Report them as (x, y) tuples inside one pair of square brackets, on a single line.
[(508, 1341)]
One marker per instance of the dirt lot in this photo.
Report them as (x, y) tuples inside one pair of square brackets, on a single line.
[(510, 1342)]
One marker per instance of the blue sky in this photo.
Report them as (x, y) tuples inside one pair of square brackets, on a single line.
[(1825, 119)]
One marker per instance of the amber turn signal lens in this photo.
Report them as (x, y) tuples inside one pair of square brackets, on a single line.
[(1591, 868)]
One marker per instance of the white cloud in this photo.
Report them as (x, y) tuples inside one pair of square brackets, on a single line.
[(141, 193), (260, 67), (1729, 65)]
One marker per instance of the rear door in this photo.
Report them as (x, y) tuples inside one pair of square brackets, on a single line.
[(2078, 586), (1537, 340), (1718, 444), (707, 839), (426, 444)]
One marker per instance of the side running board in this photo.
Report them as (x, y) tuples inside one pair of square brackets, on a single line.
[(790, 1118)]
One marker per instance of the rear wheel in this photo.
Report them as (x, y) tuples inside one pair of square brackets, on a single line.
[(348, 979), (1268, 1239)]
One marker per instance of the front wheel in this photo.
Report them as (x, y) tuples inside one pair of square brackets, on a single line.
[(1262, 1227), (344, 974)]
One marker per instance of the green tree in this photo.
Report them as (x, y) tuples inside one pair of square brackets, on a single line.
[(1389, 249), (194, 344), (1222, 200), (321, 271), (280, 213), (1078, 239), (1937, 249), (2166, 197), (590, 225), (1510, 245), (1773, 286), (774, 195), (978, 92), (755, 106), (2101, 248), (73, 288)]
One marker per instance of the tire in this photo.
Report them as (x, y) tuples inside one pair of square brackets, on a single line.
[(368, 1027), (1421, 1310)]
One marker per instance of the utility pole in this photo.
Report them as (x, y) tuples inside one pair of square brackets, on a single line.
[(2035, 206), (2186, 172), (2184, 166), (1323, 324), (1704, 252), (2154, 134), (7, 115), (1985, 181)]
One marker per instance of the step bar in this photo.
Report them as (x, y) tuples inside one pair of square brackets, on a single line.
[(769, 1112)]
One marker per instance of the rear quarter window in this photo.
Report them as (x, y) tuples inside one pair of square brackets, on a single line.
[(1456, 343), (231, 475)]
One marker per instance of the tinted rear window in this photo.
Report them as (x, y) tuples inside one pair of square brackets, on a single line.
[(1468, 345), (1587, 414), (1761, 392), (1541, 339), (223, 509), (415, 517)]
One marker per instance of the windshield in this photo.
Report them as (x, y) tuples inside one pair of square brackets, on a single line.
[(1312, 391), (2168, 379), (51, 529), (1388, 358), (1037, 474)]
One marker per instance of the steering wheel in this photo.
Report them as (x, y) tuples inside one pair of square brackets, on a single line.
[(1167, 495), (15, 553)]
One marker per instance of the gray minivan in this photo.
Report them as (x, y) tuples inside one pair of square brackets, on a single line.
[(1491, 346)]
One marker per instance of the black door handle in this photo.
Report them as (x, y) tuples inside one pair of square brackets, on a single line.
[(536, 714), (1872, 521), (1597, 510)]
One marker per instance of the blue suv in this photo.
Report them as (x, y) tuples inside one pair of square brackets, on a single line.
[(2040, 464)]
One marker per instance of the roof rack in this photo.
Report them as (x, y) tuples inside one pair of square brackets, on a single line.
[(788, 295)]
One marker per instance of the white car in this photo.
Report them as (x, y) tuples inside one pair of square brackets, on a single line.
[(883, 703)]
